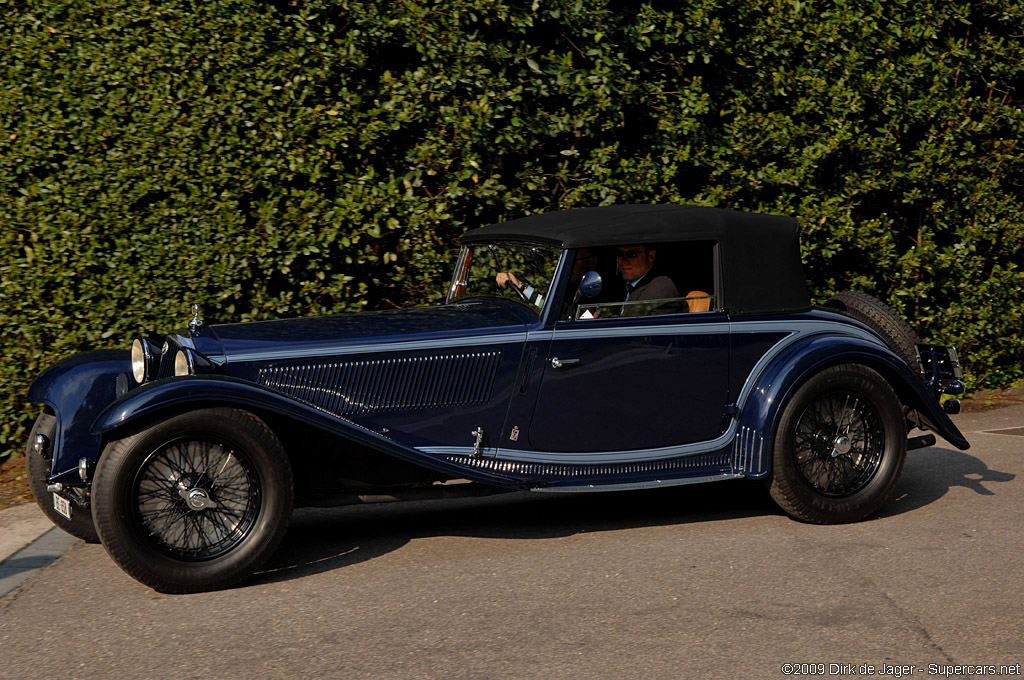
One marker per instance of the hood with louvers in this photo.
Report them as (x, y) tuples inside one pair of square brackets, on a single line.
[(357, 387)]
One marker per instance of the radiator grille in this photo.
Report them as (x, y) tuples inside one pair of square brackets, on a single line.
[(381, 385)]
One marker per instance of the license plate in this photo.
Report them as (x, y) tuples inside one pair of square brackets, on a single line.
[(62, 505)]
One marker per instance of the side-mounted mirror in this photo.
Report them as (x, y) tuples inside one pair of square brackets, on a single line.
[(590, 284)]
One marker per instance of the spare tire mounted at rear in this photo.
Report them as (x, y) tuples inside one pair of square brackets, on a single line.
[(896, 332)]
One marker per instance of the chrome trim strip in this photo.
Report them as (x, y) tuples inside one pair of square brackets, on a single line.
[(748, 450), (630, 486), (397, 346), (760, 452), (667, 329), (539, 336), (467, 451), (799, 328), (592, 458)]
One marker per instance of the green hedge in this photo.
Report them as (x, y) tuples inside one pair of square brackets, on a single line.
[(270, 159)]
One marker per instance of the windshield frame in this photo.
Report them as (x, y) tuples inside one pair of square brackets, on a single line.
[(460, 289)]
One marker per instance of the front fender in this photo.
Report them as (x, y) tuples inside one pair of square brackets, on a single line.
[(172, 394), (77, 389), (773, 387)]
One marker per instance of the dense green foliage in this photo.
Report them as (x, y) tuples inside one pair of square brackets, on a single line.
[(276, 159)]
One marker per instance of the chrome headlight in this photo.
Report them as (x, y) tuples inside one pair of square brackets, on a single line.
[(183, 363), (145, 357)]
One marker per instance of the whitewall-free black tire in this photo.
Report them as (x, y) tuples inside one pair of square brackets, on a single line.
[(840, 446), (195, 502)]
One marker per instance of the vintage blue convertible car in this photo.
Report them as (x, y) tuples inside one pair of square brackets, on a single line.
[(186, 456)]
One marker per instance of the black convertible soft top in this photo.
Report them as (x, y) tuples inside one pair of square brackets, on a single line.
[(759, 254)]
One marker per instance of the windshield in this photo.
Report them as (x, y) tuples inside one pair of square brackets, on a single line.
[(513, 270)]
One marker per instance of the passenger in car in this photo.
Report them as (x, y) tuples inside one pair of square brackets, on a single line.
[(634, 265)]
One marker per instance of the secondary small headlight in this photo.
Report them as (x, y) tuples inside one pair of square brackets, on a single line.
[(145, 357), (183, 364)]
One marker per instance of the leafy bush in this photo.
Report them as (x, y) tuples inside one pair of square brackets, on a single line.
[(271, 159)]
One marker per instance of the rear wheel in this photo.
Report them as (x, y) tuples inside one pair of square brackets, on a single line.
[(38, 470), (840, 446), (195, 502)]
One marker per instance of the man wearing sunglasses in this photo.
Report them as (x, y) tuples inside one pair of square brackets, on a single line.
[(634, 265)]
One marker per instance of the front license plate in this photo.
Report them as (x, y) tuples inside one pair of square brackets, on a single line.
[(62, 505)]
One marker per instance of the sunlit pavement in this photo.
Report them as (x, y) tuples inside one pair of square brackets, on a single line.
[(703, 581)]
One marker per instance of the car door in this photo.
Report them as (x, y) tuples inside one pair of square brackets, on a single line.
[(632, 383)]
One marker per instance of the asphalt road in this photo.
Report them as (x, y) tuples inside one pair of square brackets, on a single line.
[(696, 582)]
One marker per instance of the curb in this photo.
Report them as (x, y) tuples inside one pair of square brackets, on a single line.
[(28, 542), (988, 394), (30, 559), (20, 526)]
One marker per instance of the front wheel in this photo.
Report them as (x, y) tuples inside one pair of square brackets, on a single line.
[(840, 446), (195, 502)]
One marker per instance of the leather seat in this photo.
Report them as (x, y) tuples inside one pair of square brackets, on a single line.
[(702, 303)]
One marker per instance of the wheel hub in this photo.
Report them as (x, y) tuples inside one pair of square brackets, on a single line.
[(196, 498), (841, 446)]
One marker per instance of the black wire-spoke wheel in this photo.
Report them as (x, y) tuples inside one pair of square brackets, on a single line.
[(196, 499), (195, 502), (840, 446)]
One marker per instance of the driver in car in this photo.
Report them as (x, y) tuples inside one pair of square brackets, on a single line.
[(523, 287), (585, 260), (635, 264)]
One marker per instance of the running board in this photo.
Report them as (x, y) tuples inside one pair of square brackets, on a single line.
[(630, 486), (440, 491)]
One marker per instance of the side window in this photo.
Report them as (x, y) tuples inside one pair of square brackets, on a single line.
[(694, 302), (651, 279)]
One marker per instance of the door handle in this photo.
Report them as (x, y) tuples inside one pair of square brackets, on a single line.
[(558, 363)]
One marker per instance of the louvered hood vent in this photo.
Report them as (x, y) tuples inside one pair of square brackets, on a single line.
[(379, 385)]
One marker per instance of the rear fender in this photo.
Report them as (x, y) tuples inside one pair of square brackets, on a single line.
[(772, 388), (172, 395)]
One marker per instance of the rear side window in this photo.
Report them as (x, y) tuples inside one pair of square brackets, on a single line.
[(682, 276)]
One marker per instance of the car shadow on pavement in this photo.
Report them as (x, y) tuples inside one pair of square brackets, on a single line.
[(930, 473), (320, 540)]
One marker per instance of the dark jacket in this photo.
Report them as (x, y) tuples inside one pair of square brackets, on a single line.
[(654, 288)]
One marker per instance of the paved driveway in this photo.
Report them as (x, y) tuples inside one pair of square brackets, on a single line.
[(696, 582)]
